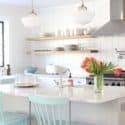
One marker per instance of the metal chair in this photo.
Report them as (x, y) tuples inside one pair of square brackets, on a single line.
[(52, 111), (11, 118)]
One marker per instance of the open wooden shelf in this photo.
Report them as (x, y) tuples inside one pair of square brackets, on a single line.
[(62, 52), (41, 38)]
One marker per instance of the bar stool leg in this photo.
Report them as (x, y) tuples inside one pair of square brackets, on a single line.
[(29, 113)]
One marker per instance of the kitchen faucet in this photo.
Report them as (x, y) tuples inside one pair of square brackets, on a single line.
[(69, 72), (59, 83)]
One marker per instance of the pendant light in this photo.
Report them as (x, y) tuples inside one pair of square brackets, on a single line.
[(31, 20), (83, 14)]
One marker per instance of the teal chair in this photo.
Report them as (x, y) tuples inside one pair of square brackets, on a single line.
[(11, 118), (52, 111)]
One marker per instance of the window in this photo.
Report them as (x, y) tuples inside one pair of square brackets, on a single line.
[(1, 43)]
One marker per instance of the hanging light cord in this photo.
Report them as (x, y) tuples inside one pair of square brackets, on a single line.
[(33, 11), (82, 6)]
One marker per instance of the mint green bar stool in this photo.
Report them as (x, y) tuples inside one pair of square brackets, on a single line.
[(52, 111), (12, 118)]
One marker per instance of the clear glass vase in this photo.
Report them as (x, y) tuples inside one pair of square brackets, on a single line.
[(98, 83)]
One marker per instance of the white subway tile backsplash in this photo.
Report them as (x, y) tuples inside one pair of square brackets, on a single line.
[(106, 46)]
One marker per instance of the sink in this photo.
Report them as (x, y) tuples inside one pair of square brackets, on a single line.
[(7, 79)]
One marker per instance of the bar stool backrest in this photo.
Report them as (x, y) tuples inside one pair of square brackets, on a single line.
[(50, 110), (1, 107)]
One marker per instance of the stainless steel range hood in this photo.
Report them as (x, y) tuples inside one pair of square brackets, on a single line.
[(116, 25)]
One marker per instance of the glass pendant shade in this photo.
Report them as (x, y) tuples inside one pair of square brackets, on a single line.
[(32, 19), (83, 15)]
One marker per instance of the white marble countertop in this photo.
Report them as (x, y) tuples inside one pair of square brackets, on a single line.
[(7, 77), (82, 93)]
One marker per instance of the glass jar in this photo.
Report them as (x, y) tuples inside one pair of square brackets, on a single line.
[(98, 83)]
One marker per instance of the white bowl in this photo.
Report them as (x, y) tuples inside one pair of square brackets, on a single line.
[(54, 69)]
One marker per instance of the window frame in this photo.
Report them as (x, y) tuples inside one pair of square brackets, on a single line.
[(3, 63)]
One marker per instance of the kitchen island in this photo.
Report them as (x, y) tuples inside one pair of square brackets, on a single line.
[(98, 109)]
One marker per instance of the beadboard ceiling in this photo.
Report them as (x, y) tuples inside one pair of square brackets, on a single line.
[(40, 3)]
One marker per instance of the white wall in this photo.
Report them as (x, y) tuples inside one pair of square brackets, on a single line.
[(52, 19), (55, 18), (17, 45)]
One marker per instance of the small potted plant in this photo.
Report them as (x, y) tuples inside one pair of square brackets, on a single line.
[(98, 69)]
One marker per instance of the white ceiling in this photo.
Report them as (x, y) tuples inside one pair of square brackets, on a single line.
[(40, 3)]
